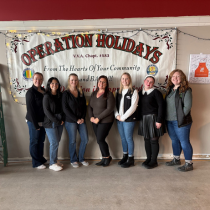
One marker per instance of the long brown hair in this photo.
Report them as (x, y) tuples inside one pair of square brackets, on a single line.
[(78, 86), (183, 84), (130, 85), (107, 86)]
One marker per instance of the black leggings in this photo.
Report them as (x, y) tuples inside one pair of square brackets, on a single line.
[(101, 131), (152, 149)]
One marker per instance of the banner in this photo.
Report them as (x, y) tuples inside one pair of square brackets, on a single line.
[(90, 55)]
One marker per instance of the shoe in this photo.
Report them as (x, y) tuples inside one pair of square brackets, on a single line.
[(59, 163), (107, 161), (146, 162), (151, 165), (75, 165), (100, 163), (173, 162), (41, 167), (55, 167), (186, 167), (123, 160), (85, 163), (128, 163)]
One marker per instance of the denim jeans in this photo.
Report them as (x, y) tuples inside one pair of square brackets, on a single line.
[(72, 132), (126, 133), (54, 137), (180, 139), (36, 147)]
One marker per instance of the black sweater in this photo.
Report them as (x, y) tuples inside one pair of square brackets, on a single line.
[(73, 108), (152, 104), (52, 105), (34, 106)]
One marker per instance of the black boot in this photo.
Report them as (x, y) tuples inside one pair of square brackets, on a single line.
[(100, 163), (155, 150), (107, 161), (128, 163), (148, 150), (124, 159)]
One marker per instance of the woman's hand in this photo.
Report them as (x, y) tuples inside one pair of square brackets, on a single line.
[(62, 123), (118, 117), (158, 125), (96, 120), (80, 121), (92, 119)]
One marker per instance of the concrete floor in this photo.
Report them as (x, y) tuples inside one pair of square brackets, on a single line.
[(99, 188)]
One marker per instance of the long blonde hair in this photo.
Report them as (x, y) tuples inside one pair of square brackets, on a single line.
[(130, 85), (183, 84), (78, 86)]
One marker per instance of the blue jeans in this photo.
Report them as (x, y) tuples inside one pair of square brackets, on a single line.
[(126, 133), (54, 137), (72, 132), (36, 147), (180, 139)]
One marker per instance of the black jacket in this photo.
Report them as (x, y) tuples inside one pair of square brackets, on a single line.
[(127, 105), (73, 108), (179, 103), (52, 106), (35, 112)]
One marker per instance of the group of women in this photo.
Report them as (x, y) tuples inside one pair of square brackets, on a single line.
[(48, 110)]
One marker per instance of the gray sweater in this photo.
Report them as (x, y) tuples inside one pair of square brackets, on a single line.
[(171, 108), (102, 108)]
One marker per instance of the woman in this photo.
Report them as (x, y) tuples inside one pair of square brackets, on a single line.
[(74, 107), (34, 119), (125, 112), (151, 124), (178, 118), (53, 121), (101, 113)]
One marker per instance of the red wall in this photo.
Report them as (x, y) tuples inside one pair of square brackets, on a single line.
[(99, 9)]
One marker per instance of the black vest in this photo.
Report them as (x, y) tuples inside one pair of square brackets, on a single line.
[(127, 104), (179, 103)]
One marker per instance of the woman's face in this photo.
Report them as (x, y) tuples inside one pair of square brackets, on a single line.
[(102, 84), (54, 85), (73, 80), (148, 83), (37, 80), (125, 80), (176, 78)]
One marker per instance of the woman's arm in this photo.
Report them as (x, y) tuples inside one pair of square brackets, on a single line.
[(187, 102), (90, 109), (47, 110), (160, 102), (132, 109), (30, 101)]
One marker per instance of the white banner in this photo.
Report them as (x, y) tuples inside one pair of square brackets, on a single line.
[(90, 55)]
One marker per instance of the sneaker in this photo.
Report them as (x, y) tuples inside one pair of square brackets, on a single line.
[(41, 167), (85, 163), (75, 164), (186, 167), (173, 162), (55, 167), (59, 163)]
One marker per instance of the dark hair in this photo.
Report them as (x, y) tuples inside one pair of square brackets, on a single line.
[(107, 85), (48, 89), (183, 84)]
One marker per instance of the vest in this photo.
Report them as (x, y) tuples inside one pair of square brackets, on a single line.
[(127, 105)]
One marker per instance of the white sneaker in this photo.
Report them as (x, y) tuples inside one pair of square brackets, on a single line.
[(85, 163), (55, 167), (75, 164), (59, 163), (41, 167)]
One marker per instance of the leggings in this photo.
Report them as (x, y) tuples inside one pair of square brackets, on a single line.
[(101, 131)]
